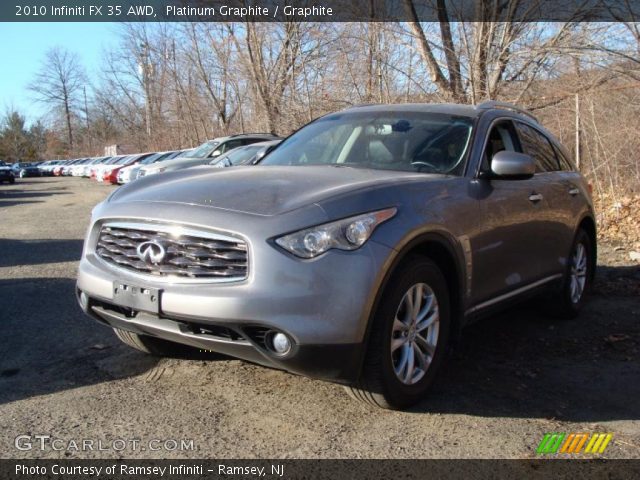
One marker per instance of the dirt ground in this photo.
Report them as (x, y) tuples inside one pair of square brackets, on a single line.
[(516, 376)]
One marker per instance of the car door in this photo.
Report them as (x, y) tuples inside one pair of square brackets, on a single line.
[(508, 247), (556, 235)]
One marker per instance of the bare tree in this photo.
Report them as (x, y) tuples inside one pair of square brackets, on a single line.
[(472, 61), (59, 83), (269, 53)]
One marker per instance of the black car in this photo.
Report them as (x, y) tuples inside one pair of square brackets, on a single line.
[(26, 170), (6, 175)]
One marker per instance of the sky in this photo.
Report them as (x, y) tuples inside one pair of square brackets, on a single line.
[(24, 46)]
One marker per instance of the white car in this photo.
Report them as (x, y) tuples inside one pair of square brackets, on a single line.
[(101, 167), (130, 173), (47, 167)]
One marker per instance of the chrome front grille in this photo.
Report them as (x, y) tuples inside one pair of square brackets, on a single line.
[(171, 251)]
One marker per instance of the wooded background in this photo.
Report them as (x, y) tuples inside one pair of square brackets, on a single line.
[(169, 86)]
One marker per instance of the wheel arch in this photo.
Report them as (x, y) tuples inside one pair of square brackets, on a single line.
[(588, 224), (440, 247)]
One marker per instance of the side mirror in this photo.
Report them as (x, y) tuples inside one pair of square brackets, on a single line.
[(216, 153), (512, 166)]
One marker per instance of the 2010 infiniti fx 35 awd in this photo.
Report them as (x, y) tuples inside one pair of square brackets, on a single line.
[(354, 252)]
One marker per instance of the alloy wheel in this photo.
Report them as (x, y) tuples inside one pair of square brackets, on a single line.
[(578, 274), (414, 335)]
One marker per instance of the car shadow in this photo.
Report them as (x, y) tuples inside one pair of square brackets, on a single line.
[(525, 363), (50, 345), (34, 252), (16, 196)]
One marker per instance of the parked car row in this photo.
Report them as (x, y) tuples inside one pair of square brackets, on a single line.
[(233, 150)]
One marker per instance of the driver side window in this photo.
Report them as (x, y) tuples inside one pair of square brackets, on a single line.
[(501, 137)]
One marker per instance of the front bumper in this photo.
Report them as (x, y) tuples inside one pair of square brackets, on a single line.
[(334, 362), (323, 305)]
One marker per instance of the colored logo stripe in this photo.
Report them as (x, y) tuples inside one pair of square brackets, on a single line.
[(574, 443), (550, 443), (562, 443), (598, 443)]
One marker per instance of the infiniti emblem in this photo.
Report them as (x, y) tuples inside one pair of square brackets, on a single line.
[(151, 252)]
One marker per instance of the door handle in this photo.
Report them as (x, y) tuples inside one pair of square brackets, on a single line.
[(574, 191), (535, 197)]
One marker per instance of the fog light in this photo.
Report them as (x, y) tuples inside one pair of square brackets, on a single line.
[(84, 300), (281, 343)]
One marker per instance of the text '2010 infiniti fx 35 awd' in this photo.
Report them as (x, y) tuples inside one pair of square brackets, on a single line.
[(354, 252)]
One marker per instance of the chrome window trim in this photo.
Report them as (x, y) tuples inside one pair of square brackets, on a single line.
[(171, 228)]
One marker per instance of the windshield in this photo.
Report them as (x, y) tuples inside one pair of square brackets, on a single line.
[(203, 150), (179, 153), (151, 158), (407, 141), (238, 155)]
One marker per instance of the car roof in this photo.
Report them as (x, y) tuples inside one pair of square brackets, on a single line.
[(444, 108), (266, 136), (471, 111)]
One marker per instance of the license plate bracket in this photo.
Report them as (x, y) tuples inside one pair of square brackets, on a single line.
[(136, 297)]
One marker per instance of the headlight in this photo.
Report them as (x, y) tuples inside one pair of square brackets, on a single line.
[(346, 234)]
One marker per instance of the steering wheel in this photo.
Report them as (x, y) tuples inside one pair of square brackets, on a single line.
[(425, 164)]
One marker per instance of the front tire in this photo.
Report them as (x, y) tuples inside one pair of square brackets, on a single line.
[(408, 339), (151, 345)]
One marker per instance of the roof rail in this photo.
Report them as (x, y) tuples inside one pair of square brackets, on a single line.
[(507, 106), (358, 105), (251, 133)]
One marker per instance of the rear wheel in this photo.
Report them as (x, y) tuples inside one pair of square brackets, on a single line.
[(408, 339), (577, 282), (151, 345)]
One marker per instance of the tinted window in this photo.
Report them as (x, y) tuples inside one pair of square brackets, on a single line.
[(565, 164), (537, 145), (203, 150), (230, 145), (502, 137)]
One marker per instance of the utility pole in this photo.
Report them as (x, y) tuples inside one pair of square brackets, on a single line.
[(144, 66), (576, 61), (577, 122), (86, 109), (86, 113)]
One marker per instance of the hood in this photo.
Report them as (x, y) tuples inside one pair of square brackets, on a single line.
[(267, 190)]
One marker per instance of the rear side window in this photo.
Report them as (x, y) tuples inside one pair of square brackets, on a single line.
[(565, 164), (230, 145), (537, 145)]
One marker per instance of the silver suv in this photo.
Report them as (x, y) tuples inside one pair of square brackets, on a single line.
[(354, 252)]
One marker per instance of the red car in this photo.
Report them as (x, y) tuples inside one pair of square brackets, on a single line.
[(111, 174)]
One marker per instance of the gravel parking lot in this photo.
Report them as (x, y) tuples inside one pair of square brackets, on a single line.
[(515, 377)]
